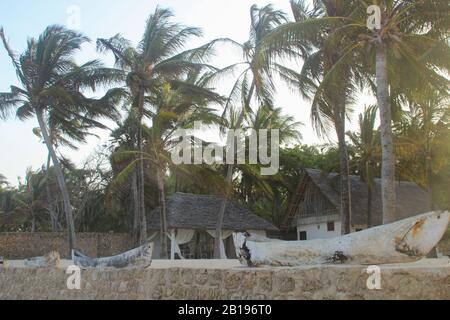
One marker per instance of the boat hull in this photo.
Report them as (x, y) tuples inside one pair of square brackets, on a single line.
[(404, 241), (140, 257)]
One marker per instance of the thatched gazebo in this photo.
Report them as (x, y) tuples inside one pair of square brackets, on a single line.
[(192, 219)]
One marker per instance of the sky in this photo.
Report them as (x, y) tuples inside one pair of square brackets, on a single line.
[(21, 19)]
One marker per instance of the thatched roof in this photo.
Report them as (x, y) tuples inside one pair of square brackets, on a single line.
[(199, 212), (411, 199)]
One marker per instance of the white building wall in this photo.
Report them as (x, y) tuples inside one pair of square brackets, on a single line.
[(319, 230)]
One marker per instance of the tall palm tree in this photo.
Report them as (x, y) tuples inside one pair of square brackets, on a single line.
[(367, 153), (51, 84), (176, 108), (173, 106), (321, 80), (123, 139), (405, 53), (255, 78), (158, 58), (407, 50)]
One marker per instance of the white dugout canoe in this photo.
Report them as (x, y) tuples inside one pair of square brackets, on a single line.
[(404, 241)]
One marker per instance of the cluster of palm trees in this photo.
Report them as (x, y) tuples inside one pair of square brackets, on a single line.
[(405, 64)]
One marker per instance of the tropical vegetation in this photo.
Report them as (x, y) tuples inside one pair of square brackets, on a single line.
[(161, 85)]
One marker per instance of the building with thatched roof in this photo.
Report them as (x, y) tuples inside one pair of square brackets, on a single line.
[(192, 220), (315, 212)]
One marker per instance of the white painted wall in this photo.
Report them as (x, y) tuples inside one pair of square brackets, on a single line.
[(319, 231)]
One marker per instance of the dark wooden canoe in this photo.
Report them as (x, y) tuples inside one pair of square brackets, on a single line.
[(140, 257)]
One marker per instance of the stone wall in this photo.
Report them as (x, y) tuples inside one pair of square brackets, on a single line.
[(322, 282), (26, 245)]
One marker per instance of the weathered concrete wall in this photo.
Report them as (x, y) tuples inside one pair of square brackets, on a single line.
[(322, 282), (26, 245)]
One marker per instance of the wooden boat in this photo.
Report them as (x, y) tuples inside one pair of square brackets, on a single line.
[(404, 241), (140, 257)]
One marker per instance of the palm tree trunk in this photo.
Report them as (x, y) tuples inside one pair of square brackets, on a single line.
[(136, 215), (229, 182), (163, 214), (61, 182), (369, 207), (141, 176), (388, 194), (429, 168), (345, 208), (50, 199)]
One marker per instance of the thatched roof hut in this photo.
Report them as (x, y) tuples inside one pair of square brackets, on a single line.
[(318, 198), (191, 217)]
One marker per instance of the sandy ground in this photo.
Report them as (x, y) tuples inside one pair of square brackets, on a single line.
[(232, 264)]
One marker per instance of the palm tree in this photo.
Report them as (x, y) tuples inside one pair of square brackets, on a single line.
[(422, 139), (30, 199), (254, 188), (65, 134), (367, 153), (321, 80), (255, 79), (51, 84), (123, 139), (407, 50), (269, 118), (173, 107), (405, 53), (157, 59)]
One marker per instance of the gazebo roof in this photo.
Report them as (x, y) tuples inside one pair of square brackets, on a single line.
[(200, 212)]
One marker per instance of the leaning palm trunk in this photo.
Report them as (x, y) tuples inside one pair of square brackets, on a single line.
[(229, 183), (61, 182), (163, 214), (387, 144), (345, 208)]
